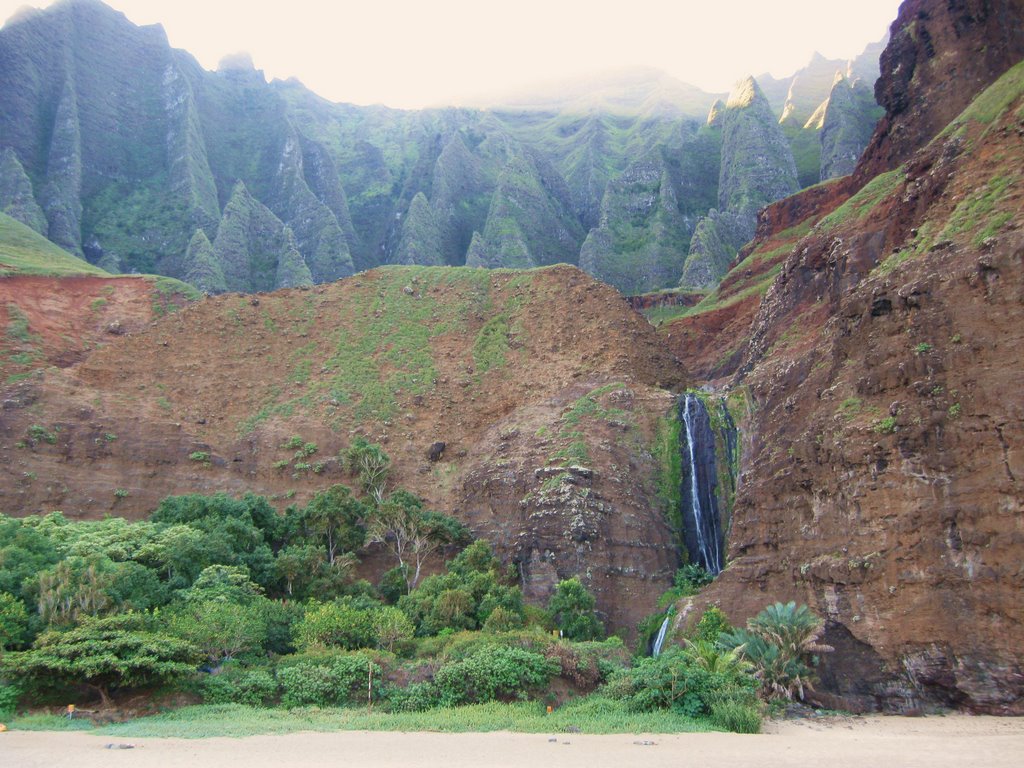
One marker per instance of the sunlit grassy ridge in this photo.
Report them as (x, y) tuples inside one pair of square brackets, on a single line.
[(24, 251)]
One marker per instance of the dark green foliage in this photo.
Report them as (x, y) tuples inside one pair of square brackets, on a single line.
[(122, 651), (326, 679), (573, 609), (494, 673), (237, 685), (221, 630), (13, 622), (9, 695), (201, 268), (207, 530), (24, 551), (411, 532), (463, 598), (678, 680), (690, 578), (335, 519)]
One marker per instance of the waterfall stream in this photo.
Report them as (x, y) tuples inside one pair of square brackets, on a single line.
[(701, 524), (660, 639)]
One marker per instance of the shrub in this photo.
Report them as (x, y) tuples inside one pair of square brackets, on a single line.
[(413, 698), (391, 627), (326, 679), (573, 608), (781, 643), (677, 680), (498, 673), (8, 699), (712, 624), (335, 625), (503, 620), (234, 685)]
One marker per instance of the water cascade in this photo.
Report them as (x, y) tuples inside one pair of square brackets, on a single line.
[(660, 639), (702, 529)]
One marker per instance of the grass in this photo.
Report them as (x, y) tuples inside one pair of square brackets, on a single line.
[(23, 251), (593, 714), (862, 203), (993, 101)]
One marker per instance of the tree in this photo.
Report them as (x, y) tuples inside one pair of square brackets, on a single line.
[(221, 630), (337, 517), (573, 608), (296, 566), (411, 532), (391, 627), (13, 621), (103, 653), (369, 462), (339, 624)]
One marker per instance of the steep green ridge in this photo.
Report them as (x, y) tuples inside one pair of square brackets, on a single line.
[(757, 168), (847, 123), (121, 149)]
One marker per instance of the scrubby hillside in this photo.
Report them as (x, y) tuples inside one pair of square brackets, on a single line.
[(544, 387)]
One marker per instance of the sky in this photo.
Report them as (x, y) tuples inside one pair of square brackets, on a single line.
[(416, 53)]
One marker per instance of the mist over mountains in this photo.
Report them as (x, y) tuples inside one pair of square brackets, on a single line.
[(127, 152)]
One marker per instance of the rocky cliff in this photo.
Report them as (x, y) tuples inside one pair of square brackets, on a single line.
[(883, 442)]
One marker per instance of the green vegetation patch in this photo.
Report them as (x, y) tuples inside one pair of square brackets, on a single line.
[(993, 102), (977, 213), (573, 448), (23, 251), (862, 203), (590, 715)]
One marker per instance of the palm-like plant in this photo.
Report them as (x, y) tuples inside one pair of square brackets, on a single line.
[(781, 642)]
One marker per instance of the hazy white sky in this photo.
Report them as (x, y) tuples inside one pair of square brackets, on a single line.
[(409, 53)]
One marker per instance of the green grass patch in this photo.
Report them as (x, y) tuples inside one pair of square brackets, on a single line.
[(862, 203), (49, 723), (23, 251), (590, 715), (976, 213), (993, 102)]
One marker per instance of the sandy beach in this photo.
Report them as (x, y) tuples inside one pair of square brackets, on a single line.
[(953, 740)]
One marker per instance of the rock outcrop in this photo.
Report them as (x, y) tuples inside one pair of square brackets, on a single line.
[(757, 168), (882, 451), (939, 57), (847, 123), (545, 388)]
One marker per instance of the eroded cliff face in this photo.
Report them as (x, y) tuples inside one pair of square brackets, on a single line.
[(939, 56), (543, 389), (885, 441)]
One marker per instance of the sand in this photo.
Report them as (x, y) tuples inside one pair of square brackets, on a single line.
[(953, 740)]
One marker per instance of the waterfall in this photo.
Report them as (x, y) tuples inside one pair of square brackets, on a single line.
[(701, 524), (660, 639)]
